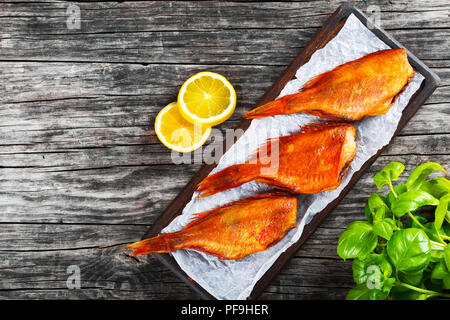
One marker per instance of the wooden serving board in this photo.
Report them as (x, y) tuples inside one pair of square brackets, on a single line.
[(328, 31)]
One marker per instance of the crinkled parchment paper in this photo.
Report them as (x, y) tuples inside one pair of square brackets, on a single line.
[(235, 279)]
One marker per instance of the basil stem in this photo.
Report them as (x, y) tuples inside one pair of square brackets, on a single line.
[(429, 292)]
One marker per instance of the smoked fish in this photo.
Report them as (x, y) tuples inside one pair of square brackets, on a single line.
[(314, 160), (232, 231), (364, 87)]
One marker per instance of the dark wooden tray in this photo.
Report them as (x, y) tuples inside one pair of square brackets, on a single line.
[(328, 31)]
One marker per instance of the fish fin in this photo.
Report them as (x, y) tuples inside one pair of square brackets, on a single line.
[(158, 244), (313, 81), (328, 115), (228, 178), (267, 145), (274, 194), (319, 126), (266, 110), (323, 76), (198, 217), (281, 105), (276, 184)]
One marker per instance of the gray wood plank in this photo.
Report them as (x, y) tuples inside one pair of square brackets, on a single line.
[(110, 274), (125, 201), (157, 154), (63, 106), (241, 46), (35, 264), (82, 172), (202, 32), (201, 15), (104, 274)]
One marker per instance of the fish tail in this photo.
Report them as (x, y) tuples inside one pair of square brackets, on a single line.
[(228, 178), (163, 243), (271, 108)]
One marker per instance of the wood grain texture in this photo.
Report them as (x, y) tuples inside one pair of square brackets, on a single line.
[(82, 172)]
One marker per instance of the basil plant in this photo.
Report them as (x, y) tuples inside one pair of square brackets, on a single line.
[(397, 252)]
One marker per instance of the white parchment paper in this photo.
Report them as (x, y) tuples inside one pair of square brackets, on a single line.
[(235, 279)]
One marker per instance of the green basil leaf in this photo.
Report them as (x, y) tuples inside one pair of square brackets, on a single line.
[(413, 278), (359, 271), (447, 256), (419, 174), (374, 203), (388, 284), (441, 211), (359, 292), (446, 282), (384, 228), (433, 284), (398, 191), (379, 214), (431, 232), (357, 241), (411, 201), (389, 173), (377, 294), (373, 273), (436, 255), (440, 271), (436, 187), (363, 269), (409, 250)]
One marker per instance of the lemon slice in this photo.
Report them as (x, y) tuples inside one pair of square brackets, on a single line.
[(207, 98), (178, 134)]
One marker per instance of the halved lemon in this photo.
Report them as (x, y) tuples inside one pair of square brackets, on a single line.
[(207, 98), (178, 134)]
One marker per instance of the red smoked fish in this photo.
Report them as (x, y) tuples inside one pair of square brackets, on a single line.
[(364, 87), (314, 160), (232, 231)]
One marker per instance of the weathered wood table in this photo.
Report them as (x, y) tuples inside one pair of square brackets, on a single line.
[(82, 172)]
